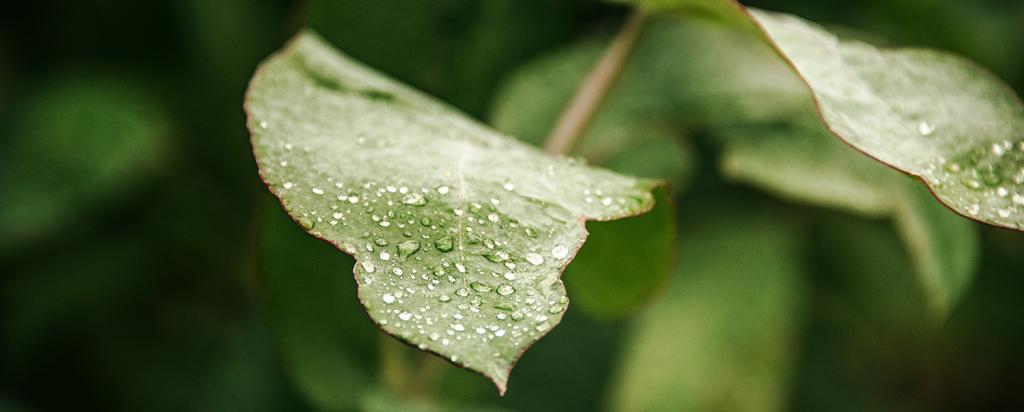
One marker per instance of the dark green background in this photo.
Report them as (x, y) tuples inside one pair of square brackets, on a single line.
[(145, 286)]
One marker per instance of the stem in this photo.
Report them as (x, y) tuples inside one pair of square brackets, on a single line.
[(592, 91)]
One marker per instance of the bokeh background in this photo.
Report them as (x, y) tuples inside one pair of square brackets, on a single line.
[(144, 267)]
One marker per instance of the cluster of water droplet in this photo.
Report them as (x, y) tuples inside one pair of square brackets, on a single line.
[(993, 175), (444, 274)]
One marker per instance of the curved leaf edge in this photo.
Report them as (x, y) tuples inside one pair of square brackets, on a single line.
[(500, 381), (757, 27)]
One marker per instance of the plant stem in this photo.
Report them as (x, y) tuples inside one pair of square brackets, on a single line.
[(592, 91)]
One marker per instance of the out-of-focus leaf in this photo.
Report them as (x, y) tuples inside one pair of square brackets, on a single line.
[(76, 144), (633, 118), (724, 336), (247, 376), (868, 332), (929, 114), (325, 340), (380, 400), (805, 164), (624, 263), (460, 233), (630, 134)]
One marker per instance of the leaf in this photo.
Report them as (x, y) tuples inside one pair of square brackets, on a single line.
[(929, 114), (320, 331), (625, 263), (459, 233), (77, 144), (782, 147), (805, 164), (724, 335)]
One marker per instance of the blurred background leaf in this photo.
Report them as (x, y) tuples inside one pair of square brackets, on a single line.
[(76, 143), (325, 339), (724, 337)]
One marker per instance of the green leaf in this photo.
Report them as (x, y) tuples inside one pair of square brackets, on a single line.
[(460, 233), (802, 162), (725, 334), (320, 331), (631, 131), (929, 114), (76, 145), (625, 263)]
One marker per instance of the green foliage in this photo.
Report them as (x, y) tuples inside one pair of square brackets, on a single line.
[(722, 337), (320, 329), (930, 114), (460, 233), (79, 143), (144, 266)]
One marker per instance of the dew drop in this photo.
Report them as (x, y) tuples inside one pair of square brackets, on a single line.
[(506, 289), (534, 258), (317, 191), (496, 257), (369, 267), (384, 255), (288, 185), (442, 190), (480, 287), (508, 186), (405, 316), (389, 298), (444, 298), (925, 129), (408, 248), (444, 244), (397, 271), (559, 252), (414, 199)]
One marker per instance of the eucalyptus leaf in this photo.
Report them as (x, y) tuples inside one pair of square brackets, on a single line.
[(929, 114), (460, 233)]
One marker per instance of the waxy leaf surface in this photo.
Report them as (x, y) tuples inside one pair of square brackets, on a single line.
[(926, 113), (460, 233)]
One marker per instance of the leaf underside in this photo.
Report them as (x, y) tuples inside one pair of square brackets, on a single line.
[(460, 234)]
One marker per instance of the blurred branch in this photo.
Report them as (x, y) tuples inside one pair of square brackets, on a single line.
[(592, 91)]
